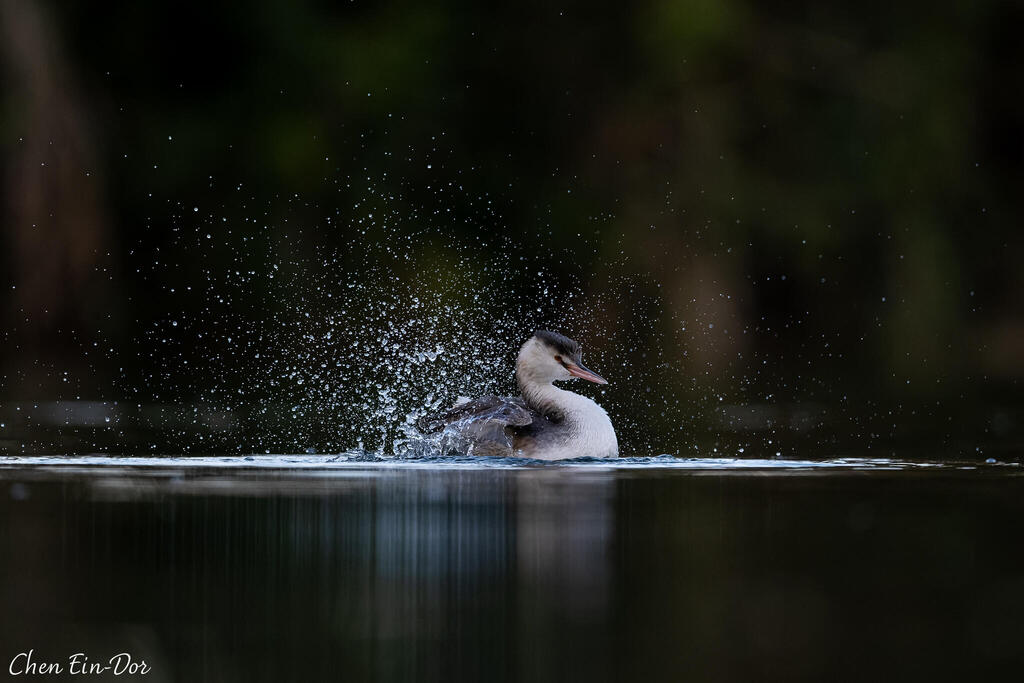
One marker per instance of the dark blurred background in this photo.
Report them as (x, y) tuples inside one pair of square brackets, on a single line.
[(782, 225)]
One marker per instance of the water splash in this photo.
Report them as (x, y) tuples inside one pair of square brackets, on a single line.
[(337, 347)]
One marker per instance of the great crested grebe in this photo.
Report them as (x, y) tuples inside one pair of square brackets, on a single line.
[(546, 423)]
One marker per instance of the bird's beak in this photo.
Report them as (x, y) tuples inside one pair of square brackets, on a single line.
[(583, 373)]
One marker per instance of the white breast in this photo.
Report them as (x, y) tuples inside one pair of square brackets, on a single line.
[(589, 431)]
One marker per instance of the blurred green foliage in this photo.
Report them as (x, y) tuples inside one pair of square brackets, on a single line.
[(799, 201)]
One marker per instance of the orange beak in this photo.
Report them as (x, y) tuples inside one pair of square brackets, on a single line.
[(583, 373)]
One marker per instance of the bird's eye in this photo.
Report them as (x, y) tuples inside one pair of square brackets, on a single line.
[(558, 358)]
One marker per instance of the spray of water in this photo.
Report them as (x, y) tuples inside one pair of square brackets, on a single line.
[(318, 348)]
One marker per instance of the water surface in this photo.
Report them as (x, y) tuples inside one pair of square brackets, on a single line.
[(352, 567)]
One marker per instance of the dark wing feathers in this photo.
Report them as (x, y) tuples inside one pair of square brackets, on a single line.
[(507, 412), (481, 427)]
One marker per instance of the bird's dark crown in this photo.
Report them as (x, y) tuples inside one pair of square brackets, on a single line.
[(561, 344)]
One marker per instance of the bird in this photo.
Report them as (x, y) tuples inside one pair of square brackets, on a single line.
[(545, 422)]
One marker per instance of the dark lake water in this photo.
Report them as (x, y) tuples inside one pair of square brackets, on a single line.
[(310, 568)]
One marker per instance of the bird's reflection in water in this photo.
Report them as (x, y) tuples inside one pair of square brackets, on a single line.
[(563, 564), (510, 569)]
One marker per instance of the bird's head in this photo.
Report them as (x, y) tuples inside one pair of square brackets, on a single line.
[(549, 357)]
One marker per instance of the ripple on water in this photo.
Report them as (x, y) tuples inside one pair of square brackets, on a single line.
[(371, 460)]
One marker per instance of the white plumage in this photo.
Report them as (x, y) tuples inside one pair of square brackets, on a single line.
[(547, 422)]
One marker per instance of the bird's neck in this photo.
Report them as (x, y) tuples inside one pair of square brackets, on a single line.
[(547, 399), (588, 429), (550, 401)]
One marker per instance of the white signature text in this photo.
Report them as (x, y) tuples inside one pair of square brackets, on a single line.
[(121, 664)]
